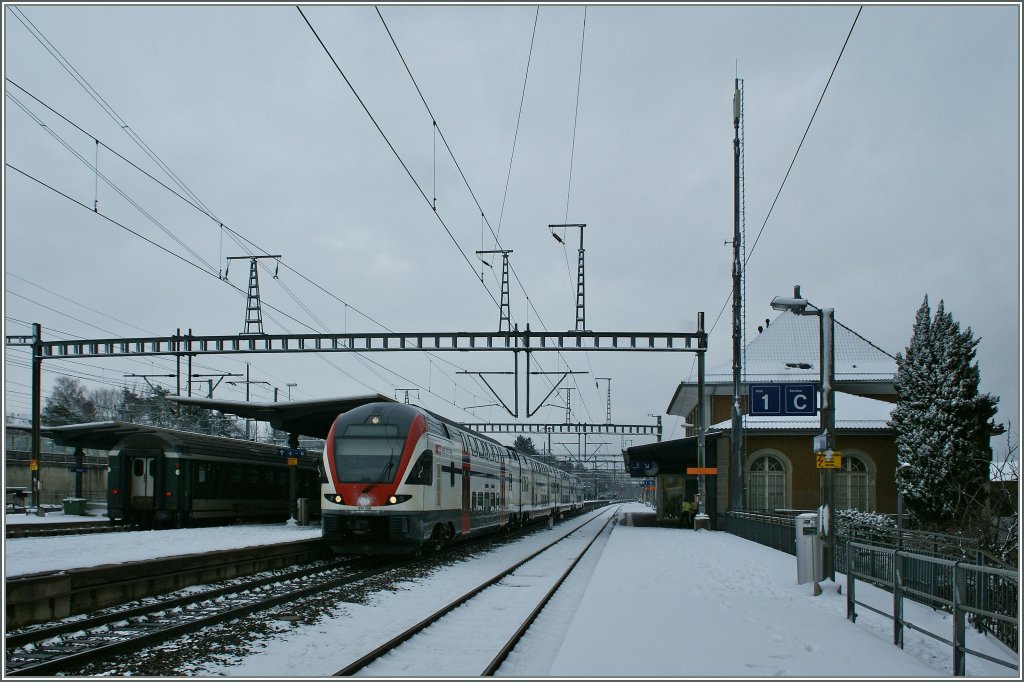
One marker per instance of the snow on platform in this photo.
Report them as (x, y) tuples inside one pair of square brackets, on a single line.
[(35, 555)]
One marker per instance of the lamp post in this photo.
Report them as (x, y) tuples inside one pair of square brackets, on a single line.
[(826, 316), (899, 505)]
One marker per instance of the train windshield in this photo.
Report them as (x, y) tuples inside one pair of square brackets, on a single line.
[(368, 453)]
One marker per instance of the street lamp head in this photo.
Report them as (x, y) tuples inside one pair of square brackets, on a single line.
[(796, 305)]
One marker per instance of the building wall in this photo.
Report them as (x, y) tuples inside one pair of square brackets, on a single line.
[(803, 482)]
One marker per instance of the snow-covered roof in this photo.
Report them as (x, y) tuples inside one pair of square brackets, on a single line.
[(787, 352), (853, 413)]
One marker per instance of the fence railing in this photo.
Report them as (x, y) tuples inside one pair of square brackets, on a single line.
[(924, 582), (985, 595), (773, 530)]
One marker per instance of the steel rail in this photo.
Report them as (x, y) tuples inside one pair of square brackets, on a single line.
[(518, 635), (38, 634), (411, 632), (138, 635)]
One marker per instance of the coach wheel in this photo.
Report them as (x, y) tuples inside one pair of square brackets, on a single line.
[(437, 538)]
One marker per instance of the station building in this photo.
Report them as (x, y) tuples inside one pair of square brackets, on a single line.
[(780, 470)]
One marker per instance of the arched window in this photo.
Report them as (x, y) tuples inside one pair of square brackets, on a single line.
[(767, 484), (851, 484)]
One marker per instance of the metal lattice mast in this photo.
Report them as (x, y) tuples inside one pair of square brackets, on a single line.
[(253, 314), (504, 321), (253, 310), (504, 315), (581, 314), (736, 459), (608, 404)]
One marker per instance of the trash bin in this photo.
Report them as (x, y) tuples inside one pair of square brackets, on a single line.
[(808, 549), (304, 507), (74, 506)]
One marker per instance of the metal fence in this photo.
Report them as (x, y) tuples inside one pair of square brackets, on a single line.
[(986, 596), (774, 530), (922, 580)]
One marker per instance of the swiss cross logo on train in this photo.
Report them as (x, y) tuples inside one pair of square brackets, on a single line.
[(437, 448)]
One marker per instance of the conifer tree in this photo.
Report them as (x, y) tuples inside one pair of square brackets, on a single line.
[(941, 422)]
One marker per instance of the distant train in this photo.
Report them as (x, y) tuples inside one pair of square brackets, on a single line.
[(401, 479), (165, 477)]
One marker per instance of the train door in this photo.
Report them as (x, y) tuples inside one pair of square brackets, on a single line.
[(142, 482), (466, 523)]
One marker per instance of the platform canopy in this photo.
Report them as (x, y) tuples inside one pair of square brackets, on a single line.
[(669, 456), (107, 435), (302, 417)]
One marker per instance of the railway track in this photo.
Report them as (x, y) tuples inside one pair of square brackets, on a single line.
[(92, 643), (501, 594), (70, 645)]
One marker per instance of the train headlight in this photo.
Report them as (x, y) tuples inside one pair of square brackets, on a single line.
[(337, 499), (392, 499), (364, 501), (398, 499)]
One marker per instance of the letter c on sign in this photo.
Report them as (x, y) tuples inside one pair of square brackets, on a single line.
[(800, 401)]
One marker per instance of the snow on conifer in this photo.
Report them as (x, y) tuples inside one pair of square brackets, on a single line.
[(941, 422)]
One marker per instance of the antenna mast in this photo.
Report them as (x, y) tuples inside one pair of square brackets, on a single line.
[(736, 461)]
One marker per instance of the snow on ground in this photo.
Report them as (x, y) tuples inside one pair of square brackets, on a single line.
[(654, 602)]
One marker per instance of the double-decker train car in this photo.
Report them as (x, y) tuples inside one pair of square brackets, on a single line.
[(400, 479), (167, 477)]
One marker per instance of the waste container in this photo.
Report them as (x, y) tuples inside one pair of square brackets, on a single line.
[(74, 506), (808, 549), (304, 507)]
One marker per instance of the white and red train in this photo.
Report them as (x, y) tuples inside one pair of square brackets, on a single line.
[(400, 479)]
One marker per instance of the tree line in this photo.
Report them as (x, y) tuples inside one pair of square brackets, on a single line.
[(71, 403)]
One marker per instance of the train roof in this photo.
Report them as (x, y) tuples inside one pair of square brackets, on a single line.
[(304, 417)]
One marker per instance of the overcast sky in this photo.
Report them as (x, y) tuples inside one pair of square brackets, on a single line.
[(907, 184)]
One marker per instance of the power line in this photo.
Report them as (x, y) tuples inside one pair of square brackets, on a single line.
[(107, 108), (395, 151), (804, 137), (461, 174)]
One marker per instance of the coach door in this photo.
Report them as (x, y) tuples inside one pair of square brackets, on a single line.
[(142, 473)]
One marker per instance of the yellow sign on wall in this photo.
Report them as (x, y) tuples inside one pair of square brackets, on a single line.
[(835, 463)]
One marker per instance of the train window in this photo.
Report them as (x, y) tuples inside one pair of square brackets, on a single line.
[(422, 470), (202, 474), (139, 467)]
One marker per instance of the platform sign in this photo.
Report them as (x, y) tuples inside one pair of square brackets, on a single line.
[(642, 467), (781, 400), (707, 471), (292, 453), (293, 461), (835, 463)]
